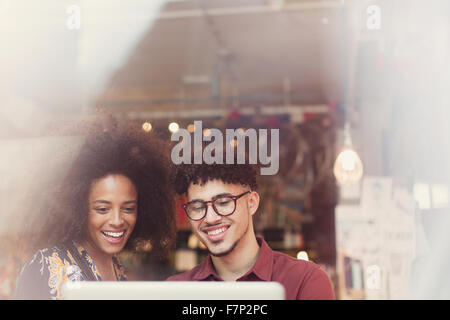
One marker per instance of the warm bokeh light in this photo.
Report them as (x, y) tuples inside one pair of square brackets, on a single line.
[(233, 143), (147, 126), (173, 127), (193, 241), (241, 131), (191, 128), (206, 132), (302, 255)]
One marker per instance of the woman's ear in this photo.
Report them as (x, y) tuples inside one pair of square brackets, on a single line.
[(253, 202)]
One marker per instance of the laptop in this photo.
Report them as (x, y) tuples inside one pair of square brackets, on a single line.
[(172, 290)]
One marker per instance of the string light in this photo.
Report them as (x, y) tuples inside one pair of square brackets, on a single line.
[(191, 128), (206, 132), (146, 126), (173, 127)]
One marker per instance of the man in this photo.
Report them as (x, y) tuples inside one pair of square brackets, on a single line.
[(221, 201)]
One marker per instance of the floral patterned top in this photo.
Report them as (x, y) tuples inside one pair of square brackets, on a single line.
[(42, 277)]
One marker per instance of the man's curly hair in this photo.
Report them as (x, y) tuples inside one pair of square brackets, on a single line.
[(243, 174), (141, 157)]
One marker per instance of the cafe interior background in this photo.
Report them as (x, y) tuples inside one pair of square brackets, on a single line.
[(357, 88)]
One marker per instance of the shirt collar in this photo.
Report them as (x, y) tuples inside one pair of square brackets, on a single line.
[(206, 269), (262, 267)]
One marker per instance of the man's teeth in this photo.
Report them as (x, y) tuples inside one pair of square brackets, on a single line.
[(217, 231), (114, 234)]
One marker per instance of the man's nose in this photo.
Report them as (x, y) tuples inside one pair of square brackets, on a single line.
[(212, 216)]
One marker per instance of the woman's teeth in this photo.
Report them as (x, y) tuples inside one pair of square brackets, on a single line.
[(113, 234)]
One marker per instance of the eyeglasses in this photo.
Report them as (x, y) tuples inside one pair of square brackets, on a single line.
[(223, 205)]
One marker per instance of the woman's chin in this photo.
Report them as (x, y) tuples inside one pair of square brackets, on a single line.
[(112, 249)]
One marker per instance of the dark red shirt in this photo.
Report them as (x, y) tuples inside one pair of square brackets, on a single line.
[(302, 280)]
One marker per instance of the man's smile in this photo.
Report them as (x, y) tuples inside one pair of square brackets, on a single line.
[(216, 233)]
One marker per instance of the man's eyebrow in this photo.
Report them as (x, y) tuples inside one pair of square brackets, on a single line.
[(221, 195), (214, 197)]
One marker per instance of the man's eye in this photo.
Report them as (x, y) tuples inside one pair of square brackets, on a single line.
[(196, 207), (223, 202)]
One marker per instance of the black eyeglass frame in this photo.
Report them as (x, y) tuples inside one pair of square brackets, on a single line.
[(234, 198)]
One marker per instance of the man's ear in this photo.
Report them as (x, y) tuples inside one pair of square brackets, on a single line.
[(253, 202)]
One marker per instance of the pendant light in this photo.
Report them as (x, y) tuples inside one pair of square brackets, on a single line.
[(348, 168)]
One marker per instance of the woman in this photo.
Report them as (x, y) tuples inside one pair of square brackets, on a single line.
[(116, 195)]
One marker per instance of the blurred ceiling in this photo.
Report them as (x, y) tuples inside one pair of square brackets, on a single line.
[(221, 53), (157, 55)]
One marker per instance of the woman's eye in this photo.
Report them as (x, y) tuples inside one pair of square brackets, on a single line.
[(101, 210), (130, 209)]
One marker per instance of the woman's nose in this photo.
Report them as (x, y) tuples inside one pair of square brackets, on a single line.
[(116, 219)]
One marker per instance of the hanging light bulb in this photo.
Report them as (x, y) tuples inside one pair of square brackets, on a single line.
[(348, 168)]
